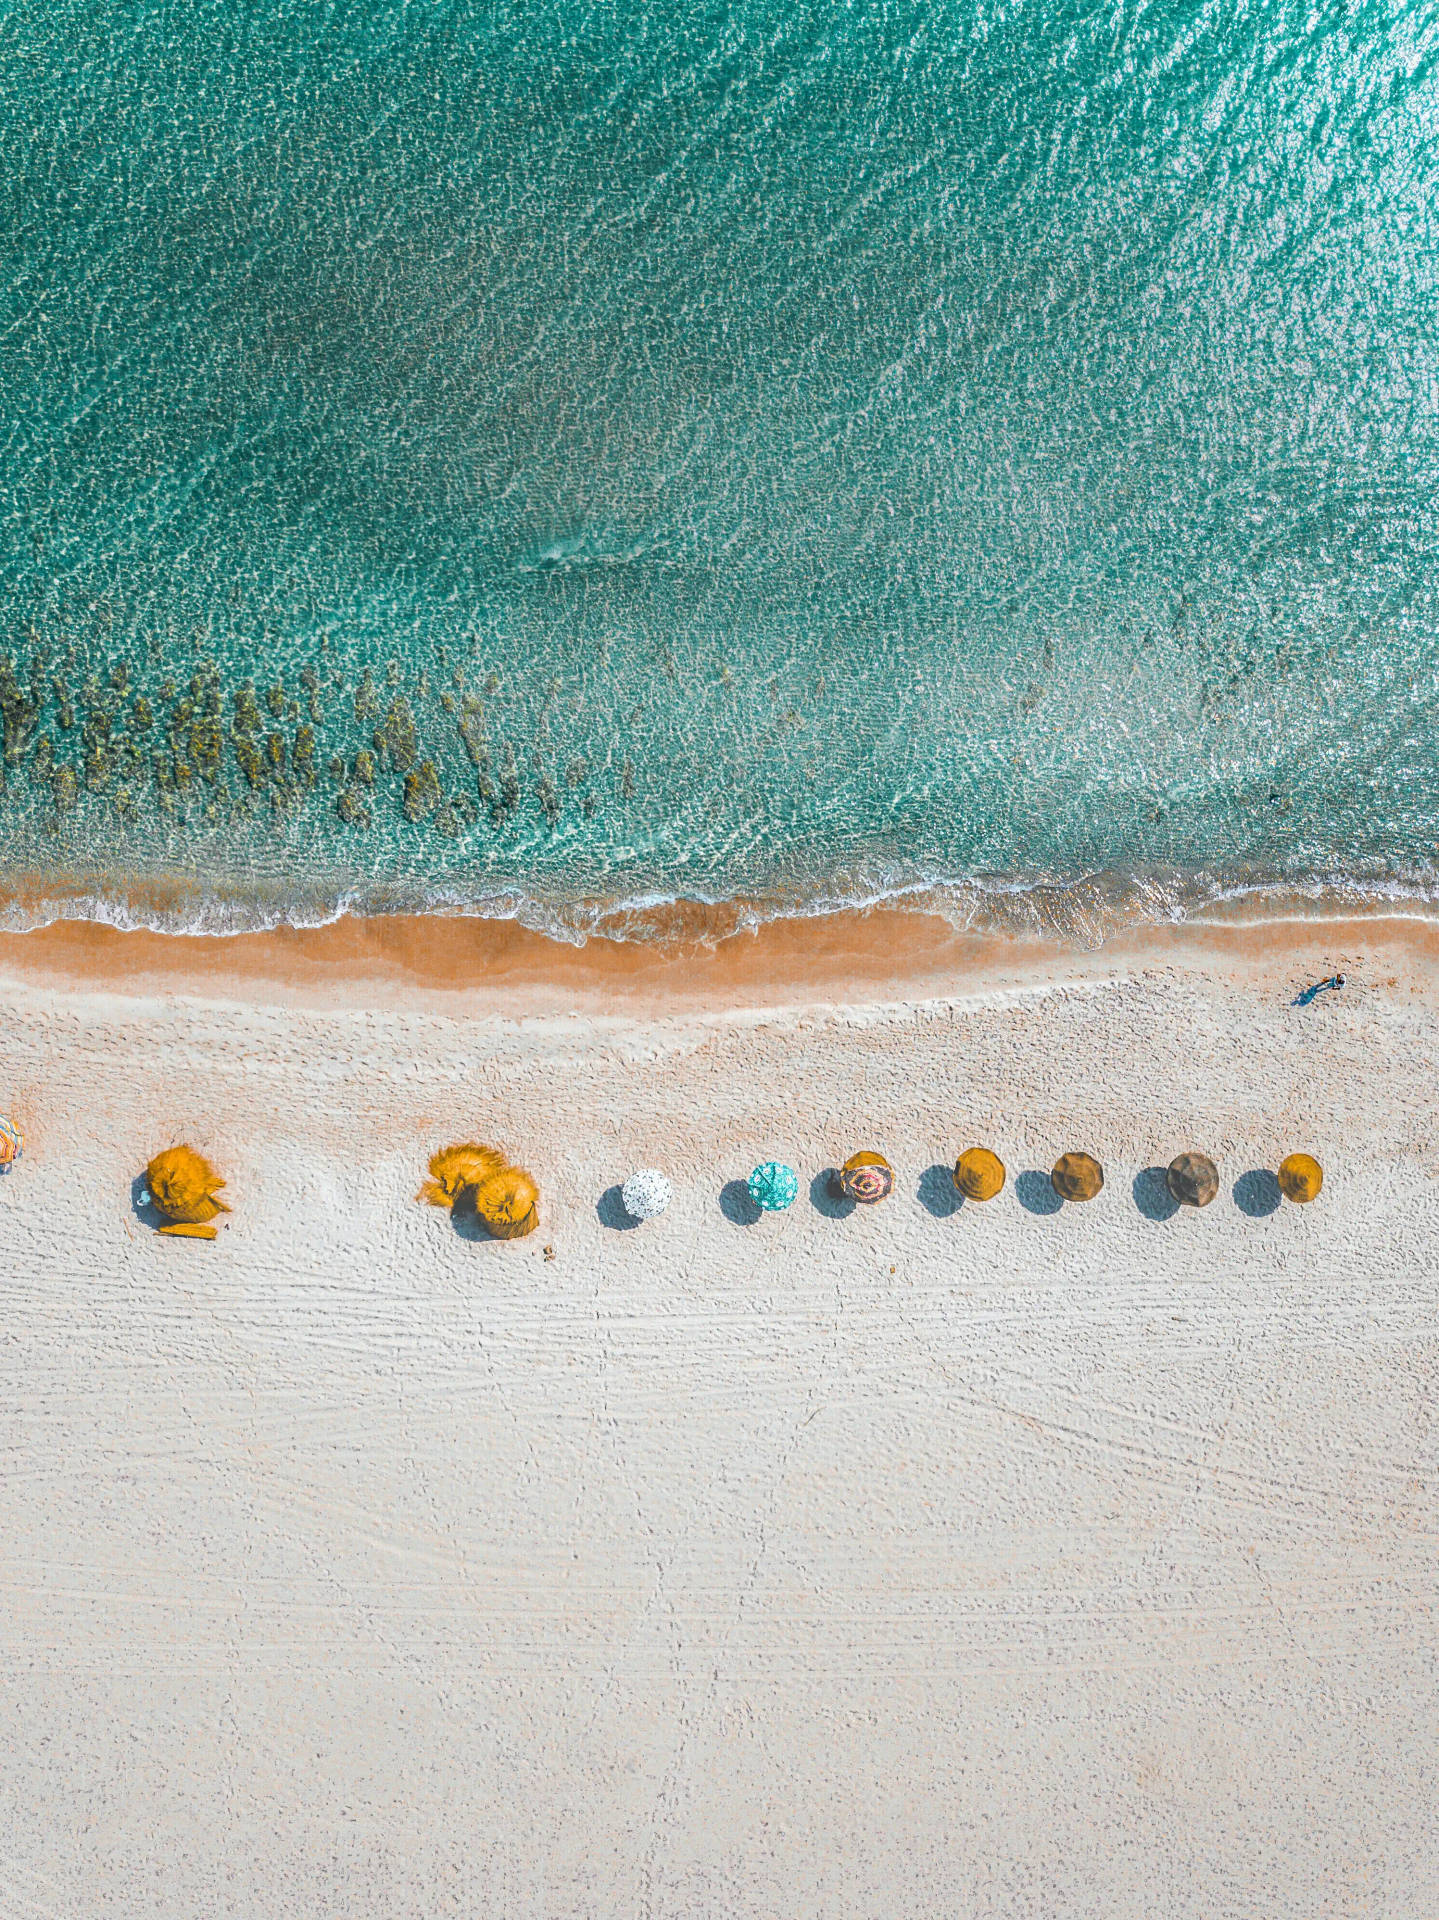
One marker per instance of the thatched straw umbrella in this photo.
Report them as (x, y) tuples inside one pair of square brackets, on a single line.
[(183, 1186), (453, 1169), (646, 1194), (773, 1186), (508, 1203), (1077, 1176), (978, 1173), (1193, 1179), (504, 1197), (12, 1144), (1300, 1177), (866, 1177)]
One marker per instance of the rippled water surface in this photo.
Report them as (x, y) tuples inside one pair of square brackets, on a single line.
[(539, 457)]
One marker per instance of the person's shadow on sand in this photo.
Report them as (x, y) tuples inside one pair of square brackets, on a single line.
[(1257, 1194), (736, 1205)]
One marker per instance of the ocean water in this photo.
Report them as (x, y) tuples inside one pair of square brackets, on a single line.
[(559, 459)]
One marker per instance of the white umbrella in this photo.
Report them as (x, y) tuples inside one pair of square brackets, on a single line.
[(646, 1194)]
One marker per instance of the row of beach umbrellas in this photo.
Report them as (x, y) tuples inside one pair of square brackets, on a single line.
[(979, 1174), (184, 1188)]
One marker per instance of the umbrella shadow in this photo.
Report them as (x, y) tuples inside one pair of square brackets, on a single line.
[(465, 1219), (1257, 1194), (826, 1198), (1152, 1195), (736, 1204), (937, 1192), (611, 1208), (1035, 1193), (142, 1206)]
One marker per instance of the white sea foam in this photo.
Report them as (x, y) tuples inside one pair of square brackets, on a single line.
[(1084, 912)]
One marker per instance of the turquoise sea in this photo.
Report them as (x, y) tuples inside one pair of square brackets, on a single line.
[(556, 459)]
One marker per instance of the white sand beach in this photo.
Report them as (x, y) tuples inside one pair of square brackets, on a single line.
[(933, 1561)]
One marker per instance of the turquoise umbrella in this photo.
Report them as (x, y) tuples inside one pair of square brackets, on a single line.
[(773, 1186)]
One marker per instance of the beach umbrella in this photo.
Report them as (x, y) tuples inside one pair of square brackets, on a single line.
[(12, 1144), (183, 1185), (866, 1177), (1300, 1177), (508, 1203), (453, 1169), (773, 1186), (1193, 1179), (978, 1173), (646, 1194), (1077, 1176)]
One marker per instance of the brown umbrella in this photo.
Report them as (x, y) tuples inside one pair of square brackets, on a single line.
[(1300, 1177), (1077, 1176), (866, 1177), (978, 1173), (1193, 1179)]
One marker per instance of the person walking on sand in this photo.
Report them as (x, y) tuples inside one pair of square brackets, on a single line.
[(1331, 985)]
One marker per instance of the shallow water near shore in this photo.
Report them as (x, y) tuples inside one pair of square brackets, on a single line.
[(554, 465)]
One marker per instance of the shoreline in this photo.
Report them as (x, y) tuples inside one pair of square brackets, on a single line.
[(866, 956)]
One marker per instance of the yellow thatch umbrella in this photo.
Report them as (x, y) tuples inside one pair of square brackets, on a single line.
[(866, 1177), (453, 1169), (1077, 1176), (978, 1173), (1193, 1179), (504, 1197), (1300, 1177), (508, 1203), (183, 1186)]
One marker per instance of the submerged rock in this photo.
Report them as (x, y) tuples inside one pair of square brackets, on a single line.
[(352, 809), (302, 756), (396, 736), (422, 792), (247, 756), (509, 781), (471, 724), (207, 745), (19, 713), (246, 710)]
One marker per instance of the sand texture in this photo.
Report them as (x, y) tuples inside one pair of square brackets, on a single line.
[(932, 1560)]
